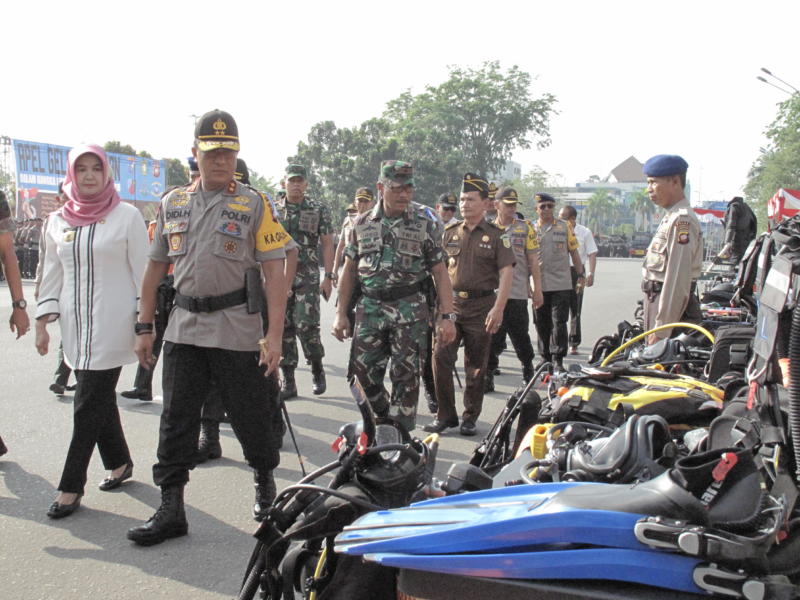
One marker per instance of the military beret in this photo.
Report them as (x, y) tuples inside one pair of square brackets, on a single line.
[(663, 165), (192, 162), (474, 183), (241, 173), (492, 190), (364, 193), (507, 195), (216, 129), (295, 170), (544, 197), (397, 170), (448, 200)]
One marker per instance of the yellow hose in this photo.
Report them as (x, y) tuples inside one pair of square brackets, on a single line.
[(635, 339), (318, 571)]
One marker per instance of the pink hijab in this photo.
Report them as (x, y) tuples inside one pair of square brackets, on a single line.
[(81, 210)]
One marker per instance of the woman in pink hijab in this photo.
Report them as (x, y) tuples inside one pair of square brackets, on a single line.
[(95, 253)]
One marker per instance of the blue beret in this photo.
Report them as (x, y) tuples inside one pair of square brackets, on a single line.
[(663, 165)]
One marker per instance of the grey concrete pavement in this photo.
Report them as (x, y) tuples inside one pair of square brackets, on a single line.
[(86, 555)]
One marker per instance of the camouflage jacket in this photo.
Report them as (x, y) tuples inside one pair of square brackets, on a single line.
[(306, 222)]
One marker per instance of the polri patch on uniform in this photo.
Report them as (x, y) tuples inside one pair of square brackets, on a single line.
[(176, 241), (231, 247), (683, 231), (231, 228)]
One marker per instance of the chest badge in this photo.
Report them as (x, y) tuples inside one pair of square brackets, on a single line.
[(231, 228), (69, 236), (485, 238), (231, 247)]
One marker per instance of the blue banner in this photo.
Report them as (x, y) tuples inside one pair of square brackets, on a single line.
[(39, 168)]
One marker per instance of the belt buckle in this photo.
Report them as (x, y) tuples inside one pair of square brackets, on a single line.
[(463, 295)]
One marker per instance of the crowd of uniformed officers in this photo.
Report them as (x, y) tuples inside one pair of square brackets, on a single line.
[(244, 276)]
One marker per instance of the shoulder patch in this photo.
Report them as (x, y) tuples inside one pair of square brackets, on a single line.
[(453, 224)]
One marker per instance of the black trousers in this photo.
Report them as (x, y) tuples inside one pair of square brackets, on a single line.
[(515, 324), (62, 370), (165, 296), (551, 324), (575, 305), (95, 421), (249, 398)]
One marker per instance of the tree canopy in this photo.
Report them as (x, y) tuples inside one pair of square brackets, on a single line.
[(471, 122), (779, 164)]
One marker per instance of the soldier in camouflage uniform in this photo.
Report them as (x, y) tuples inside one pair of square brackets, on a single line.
[(392, 250), (309, 223)]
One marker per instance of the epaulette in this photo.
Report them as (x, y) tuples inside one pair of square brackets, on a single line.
[(684, 212), (495, 225), (455, 223)]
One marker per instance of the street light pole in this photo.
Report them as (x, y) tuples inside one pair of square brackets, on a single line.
[(777, 87), (786, 83)]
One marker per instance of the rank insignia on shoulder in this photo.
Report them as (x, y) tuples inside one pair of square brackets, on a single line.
[(231, 187)]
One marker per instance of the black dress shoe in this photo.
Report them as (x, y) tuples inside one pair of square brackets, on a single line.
[(468, 428), (59, 511), (57, 389), (143, 395), (112, 483), (71, 388), (438, 426)]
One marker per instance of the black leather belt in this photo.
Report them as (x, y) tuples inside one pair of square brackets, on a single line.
[(392, 293), (471, 294), (197, 304)]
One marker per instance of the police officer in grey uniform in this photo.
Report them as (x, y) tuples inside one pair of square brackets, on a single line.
[(220, 235), (674, 258), (557, 244)]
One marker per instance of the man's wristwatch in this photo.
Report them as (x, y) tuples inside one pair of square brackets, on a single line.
[(140, 328), (21, 303), (448, 316), (331, 276)]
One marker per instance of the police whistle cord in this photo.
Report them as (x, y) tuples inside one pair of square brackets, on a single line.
[(291, 433)]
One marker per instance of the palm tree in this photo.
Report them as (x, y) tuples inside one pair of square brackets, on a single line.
[(601, 211), (643, 211)]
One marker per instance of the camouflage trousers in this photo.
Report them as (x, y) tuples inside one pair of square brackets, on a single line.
[(302, 321), (398, 330)]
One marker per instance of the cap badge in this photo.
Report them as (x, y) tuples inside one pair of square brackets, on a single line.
[(220, 126)]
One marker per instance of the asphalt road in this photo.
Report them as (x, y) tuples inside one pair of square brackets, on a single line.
[(86, 556)]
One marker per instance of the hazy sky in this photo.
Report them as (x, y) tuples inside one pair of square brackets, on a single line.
[(631, 78)]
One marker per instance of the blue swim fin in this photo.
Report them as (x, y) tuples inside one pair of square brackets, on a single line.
[(659, 569), (502, 519)]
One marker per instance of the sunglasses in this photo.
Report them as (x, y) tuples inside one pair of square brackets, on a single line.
[(546, 205)]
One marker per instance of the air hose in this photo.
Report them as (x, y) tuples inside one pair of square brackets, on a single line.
[(635, 339), (794, 388)]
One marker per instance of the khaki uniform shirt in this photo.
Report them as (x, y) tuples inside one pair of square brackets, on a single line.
[(524, 243), (474, 258), (211, 242), (675, 257), (556, 241)]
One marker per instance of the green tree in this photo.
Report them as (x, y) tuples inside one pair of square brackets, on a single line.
[(600, 213), (534, 181), (643, 210), (471, 122), (779, 164), (263, 184), (177, 173), (119, 148)]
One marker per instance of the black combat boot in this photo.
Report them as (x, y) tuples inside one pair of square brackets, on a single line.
[(488, 382), (265, 494), (3, 448), (208, 446), (318, 376), (527, 371), (288, 387), (168, 522)]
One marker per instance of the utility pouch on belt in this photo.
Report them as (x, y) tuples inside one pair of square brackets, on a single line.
[(256, 301)]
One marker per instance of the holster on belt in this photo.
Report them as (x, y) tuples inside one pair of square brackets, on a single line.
[(652, 288), (256, 299)]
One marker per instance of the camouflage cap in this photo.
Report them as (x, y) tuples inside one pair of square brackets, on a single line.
[(507, 195), (474, 183), (295, 170), (492, 191), (397, 170), (216, 129)]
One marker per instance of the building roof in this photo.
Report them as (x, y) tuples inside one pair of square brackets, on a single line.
[(628, 170)]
